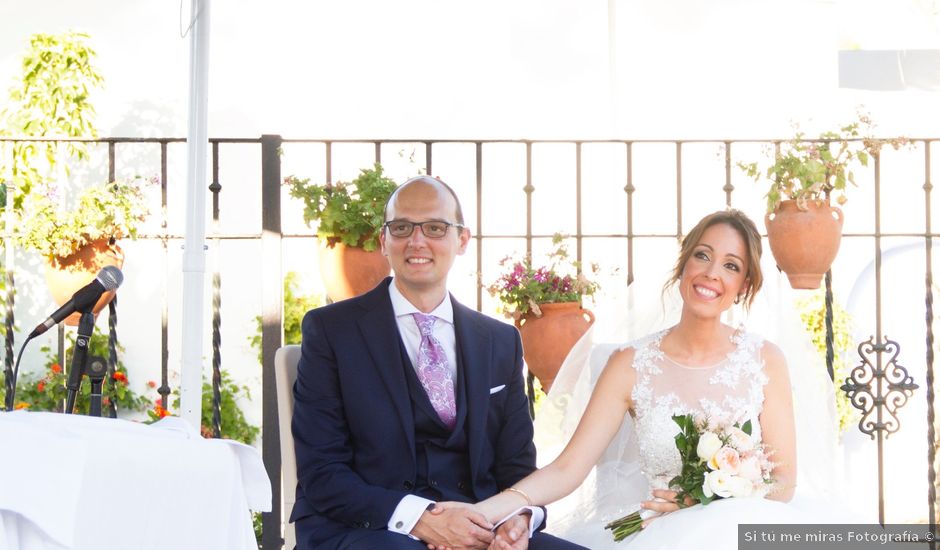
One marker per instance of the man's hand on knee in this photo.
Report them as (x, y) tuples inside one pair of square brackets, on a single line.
[(454, 527)]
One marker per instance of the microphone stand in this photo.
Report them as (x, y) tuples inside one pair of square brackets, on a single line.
[(79, 359), (97, 371)]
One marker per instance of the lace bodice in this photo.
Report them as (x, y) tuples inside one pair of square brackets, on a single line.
[(729, 391)]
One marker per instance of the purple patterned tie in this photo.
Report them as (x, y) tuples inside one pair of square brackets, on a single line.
[(434, 372)]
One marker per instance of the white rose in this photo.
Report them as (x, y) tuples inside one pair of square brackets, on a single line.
[(717, 483), (740, 487), (708, 445)]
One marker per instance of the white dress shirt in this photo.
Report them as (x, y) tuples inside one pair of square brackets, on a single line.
[(410, 508)]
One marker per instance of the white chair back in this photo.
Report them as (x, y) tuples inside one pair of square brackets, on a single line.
[(285, 371)]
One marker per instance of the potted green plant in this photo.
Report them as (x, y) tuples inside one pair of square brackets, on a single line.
[(349, 216), (545, 303), (803, 228), (77, 243)]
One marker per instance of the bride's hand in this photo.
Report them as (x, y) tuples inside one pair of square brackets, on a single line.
[(665, 502)]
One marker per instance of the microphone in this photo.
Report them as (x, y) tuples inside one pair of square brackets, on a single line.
[(109, 278)]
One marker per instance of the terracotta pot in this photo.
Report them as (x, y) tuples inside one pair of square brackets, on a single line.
[(350, 271), (804, 242), (546, 340), (65, 275)]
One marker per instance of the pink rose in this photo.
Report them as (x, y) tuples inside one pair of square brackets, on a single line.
[(726, 459), (750, 469), (739, 439)]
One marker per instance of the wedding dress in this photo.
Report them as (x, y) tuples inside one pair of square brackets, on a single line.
[(643, 455)]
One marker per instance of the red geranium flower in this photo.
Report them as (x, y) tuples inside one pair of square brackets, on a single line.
[(151, 384), (56, 368), (41, 386), (119, 376)]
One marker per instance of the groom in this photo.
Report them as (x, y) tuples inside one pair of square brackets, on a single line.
[(404, 397)]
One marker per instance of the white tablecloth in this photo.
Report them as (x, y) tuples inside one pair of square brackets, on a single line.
[(75, 482)]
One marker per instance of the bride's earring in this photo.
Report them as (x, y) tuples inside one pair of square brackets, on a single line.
[(737, 299)]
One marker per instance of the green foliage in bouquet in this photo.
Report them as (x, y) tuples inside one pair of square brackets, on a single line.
[(716, 462)]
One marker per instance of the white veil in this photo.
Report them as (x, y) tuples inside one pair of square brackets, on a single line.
[(616, 484)]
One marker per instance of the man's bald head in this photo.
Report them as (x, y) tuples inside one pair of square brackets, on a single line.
[(421, 185)]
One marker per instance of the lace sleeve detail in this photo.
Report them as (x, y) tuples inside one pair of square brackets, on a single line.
[(646, 361)]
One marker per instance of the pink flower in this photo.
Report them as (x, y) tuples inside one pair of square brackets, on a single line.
[(750, 469), (739, 439), (726, 459)]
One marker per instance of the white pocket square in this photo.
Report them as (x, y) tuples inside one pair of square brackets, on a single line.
[(497, 389)]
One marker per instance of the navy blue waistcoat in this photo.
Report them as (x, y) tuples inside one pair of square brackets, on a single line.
[(442, 455)]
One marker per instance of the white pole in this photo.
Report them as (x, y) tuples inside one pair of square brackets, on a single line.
[(613, 73), (194, 255)]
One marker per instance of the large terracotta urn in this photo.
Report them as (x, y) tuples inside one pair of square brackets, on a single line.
[(547, 339), (349, 271), (804, 241), (66, 275)]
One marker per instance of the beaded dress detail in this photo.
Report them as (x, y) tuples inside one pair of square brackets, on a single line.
[(727, 392)]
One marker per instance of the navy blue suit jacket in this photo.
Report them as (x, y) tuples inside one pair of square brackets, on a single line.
[(353, 424)]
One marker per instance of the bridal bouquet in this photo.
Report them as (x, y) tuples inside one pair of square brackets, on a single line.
[(717, 462)]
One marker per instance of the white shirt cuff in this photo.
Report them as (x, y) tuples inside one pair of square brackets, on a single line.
[(407, 514), (538, 515)]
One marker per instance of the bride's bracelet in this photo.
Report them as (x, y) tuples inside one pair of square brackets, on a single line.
[(528, 500)]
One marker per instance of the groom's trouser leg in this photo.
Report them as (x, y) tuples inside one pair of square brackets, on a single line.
[(544, 541), (370, 539)]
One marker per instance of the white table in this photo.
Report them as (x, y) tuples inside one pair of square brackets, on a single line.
[(75, 482)]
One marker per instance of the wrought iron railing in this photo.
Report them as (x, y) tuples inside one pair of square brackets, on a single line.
[(667, 195)]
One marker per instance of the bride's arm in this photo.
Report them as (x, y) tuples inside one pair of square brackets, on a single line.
[(609, 402), (777, 424)]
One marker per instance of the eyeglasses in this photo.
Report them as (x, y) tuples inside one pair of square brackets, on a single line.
[(431, 229)]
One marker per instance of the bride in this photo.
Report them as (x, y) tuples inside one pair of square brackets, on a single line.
[(700, 366)]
